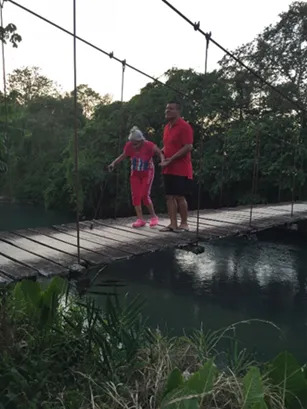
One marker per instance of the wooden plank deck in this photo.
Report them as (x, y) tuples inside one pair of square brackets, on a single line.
[(45, 252)]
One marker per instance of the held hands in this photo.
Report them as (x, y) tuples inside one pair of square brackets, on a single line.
[(165, 162)]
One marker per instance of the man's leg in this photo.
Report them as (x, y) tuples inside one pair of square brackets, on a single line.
[(183, 211), (172, 210), (171, 202)]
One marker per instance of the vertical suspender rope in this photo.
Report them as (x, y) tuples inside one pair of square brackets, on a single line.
[(255, 169), (5, 98), (120, 135), (280, 171), (223, 172), (3, 65), (255, 176), (76, 147), (123, 81), (294, 174), (208, 35)]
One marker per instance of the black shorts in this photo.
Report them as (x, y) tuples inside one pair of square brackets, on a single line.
[(177, 185)]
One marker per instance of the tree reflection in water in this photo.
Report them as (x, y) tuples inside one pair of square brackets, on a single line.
[(234, 279)]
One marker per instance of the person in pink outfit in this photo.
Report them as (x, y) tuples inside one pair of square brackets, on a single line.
[(141, 152)]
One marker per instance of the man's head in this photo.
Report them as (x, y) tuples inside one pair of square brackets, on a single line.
[(172, 110)]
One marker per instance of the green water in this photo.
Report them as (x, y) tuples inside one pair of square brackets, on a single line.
[(234, 280), (20, 216)]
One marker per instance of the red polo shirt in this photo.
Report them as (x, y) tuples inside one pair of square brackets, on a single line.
[(174, 138)]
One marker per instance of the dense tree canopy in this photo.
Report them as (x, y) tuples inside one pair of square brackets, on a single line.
[(240, 125)]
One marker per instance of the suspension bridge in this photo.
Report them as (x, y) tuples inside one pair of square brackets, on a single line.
[(43, 252)]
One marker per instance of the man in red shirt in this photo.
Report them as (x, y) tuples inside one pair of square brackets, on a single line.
[(177, 166)]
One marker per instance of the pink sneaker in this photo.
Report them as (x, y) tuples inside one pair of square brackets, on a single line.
[(153, 222), (139, 223)]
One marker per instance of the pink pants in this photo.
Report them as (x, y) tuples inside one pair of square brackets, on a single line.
[(141, 182)]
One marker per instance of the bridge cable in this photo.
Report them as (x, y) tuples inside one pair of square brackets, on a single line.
[(5, 139), (294, 173), (196, 27), (76, 142), (109, 54), (256, 165), (119, 147), (201, 152)]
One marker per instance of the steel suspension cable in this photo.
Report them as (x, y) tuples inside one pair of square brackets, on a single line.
[(120, 135), (109, 54), (294, 174), (102, 188), (201, 149), (76, 142), (3, 62), (6, 141), (255, 176), (256, 165), (196, 27)]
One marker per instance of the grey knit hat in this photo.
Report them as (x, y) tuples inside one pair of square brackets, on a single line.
[(135, 134)]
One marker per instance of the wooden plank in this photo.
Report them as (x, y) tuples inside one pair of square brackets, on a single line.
[(4, 278), (37, 249), (14, 265), (38, 238), (43, 266), (135, 235), (103, 245), (155, 236), (265, 212), (118, 237), (269, 215), (48, 251), (231, 218), (152, 235), (55, 239), (220, 225)]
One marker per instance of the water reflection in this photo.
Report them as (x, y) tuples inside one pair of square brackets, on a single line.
[(233, 280), (21, 216)]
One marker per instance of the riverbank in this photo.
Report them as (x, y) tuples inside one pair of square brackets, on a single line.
[(59, 351)]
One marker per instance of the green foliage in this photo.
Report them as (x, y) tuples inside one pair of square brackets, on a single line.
[(191, 393), (68, 352), (239, 125), (286, 373), (253, 391), (174, 381), (31, 300)]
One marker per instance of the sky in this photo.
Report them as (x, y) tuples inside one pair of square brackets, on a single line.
[(147, 33)]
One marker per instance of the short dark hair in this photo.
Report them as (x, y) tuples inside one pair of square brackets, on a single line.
[(178, 105)]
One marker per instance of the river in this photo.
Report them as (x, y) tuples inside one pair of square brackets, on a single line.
[(233, 280)]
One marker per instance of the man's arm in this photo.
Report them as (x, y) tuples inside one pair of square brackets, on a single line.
[(182, 152), (159, 153)]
